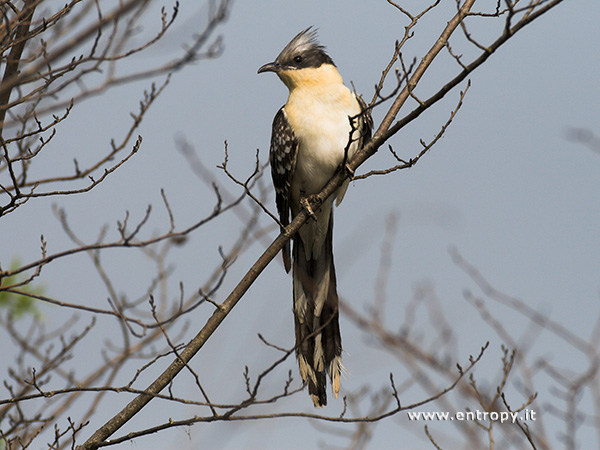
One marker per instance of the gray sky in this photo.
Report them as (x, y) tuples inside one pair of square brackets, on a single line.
[(504, 186)]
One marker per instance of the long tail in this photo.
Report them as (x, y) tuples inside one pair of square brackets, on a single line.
[(318, 339)]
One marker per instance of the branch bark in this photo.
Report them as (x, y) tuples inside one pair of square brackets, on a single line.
[(11, 70)]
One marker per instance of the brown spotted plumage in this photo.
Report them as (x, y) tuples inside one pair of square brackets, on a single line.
[(282, 157)]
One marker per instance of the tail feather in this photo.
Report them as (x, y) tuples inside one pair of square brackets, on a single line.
[(318, 339)]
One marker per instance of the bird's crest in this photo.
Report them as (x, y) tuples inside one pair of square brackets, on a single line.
[(304, 50)]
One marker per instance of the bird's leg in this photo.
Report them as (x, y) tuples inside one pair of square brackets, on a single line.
[(346, 168), (305, 203)]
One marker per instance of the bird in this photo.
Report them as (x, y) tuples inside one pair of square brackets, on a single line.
[(321, 125)]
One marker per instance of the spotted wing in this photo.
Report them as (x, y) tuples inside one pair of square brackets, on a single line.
[(284, 149), (367, 122)]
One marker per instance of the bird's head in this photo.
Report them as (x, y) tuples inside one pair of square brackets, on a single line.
[(302, 61)]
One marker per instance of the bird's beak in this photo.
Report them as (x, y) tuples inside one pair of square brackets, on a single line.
[(271, 67)]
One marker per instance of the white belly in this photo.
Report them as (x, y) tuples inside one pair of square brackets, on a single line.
[(322, 126), (323, 129)]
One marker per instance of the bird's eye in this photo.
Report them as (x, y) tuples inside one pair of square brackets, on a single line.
[(297, 59)]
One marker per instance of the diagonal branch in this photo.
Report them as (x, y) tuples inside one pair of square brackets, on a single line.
[(11, 70)]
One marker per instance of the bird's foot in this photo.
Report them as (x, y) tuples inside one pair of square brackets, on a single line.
[(349, 170), (305, 203)]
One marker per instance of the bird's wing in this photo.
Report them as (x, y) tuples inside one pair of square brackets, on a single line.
[(367, 122), (284, 150)]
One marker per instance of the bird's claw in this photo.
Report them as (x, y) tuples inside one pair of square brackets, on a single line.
[(349, 170), (305, 203)]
